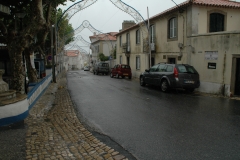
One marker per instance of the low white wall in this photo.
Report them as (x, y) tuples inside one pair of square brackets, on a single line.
[(18, 111), (214, 88)]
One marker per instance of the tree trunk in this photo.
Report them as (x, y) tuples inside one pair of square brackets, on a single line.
[(31, 72), (18, 70)]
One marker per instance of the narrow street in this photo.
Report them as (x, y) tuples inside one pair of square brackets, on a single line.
[(152, 125)]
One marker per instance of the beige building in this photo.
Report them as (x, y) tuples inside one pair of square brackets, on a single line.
[(102, 43), (202, 33), (74, 59)]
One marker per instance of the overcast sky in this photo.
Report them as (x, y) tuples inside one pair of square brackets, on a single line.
[(105, 17)]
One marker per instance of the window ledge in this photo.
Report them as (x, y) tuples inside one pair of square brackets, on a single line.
[(215, 33), (172, 39)]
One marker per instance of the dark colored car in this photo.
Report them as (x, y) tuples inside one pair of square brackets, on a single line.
[(171, 76), (121, 70), (101, 67)]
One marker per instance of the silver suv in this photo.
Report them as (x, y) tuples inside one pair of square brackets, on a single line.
[(101, 67), (169, 76)]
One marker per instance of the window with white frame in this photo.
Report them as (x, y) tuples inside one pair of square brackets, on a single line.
[(120, 59), (152, 33), (138, 62), (138, 36), (172, 28)]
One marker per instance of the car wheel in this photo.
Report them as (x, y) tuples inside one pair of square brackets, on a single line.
[(164, 85), (111, 75), (117, 76), (130, 77), (142, 83)]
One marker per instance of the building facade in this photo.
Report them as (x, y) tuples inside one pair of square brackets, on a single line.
[(201, 33), (102, 43), (73, 59)]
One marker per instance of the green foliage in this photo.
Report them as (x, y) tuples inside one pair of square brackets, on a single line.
[(102, 57), (113, 55)]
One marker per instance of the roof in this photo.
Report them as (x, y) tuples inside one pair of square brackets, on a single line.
[(72, 53), (209, 3), (111, 36)]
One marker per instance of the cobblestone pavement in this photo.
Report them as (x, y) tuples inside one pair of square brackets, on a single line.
[(53, 131)]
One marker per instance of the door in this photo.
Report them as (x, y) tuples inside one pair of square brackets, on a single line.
[(128, 61), (149, 78), (114, 70), (237, 82), (172, 60), (152, 61), (160, 72)]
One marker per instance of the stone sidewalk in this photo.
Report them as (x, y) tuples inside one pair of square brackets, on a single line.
[(55, 132)]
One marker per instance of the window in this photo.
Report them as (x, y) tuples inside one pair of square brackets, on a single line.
[(172, 23), (152, 34), (97, 49), (125, 66), (154, 68), (120, 60), (216, 22), (120, 41), (137, 62), (138, 36), (169, 68), (162, 68), (128, 39)]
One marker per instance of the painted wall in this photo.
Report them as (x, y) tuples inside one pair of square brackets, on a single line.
[(226, 44), (18, 111)]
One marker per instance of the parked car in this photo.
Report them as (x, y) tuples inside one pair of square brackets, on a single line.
[(121, 70), (101, 67), (169, 76), (86, 68)]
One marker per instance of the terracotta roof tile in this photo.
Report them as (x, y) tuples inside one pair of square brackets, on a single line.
[(218, 3), (107, 36), (72, 53)]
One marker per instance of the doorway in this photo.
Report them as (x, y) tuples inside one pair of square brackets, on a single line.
[(172, 60), (237, 81), (128, 61), (152, 61)]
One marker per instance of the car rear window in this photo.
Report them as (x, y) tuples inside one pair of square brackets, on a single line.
[(126, 66), (105, 64), (186, 69)]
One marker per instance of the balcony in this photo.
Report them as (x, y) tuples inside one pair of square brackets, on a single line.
[(152, 45), (126, 48)]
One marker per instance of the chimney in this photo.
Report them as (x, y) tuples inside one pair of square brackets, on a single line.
[(127, 24)]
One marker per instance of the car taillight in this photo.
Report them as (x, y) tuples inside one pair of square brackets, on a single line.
[(175, 72)]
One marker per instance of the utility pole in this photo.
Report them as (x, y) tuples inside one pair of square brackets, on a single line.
[(149, 40)]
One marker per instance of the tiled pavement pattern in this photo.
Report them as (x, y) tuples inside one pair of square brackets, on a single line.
[(55, 132)]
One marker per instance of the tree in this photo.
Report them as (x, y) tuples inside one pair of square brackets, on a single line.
[(102, 57), (25, 34)]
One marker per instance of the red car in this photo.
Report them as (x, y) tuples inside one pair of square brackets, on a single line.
[(121, 70)]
